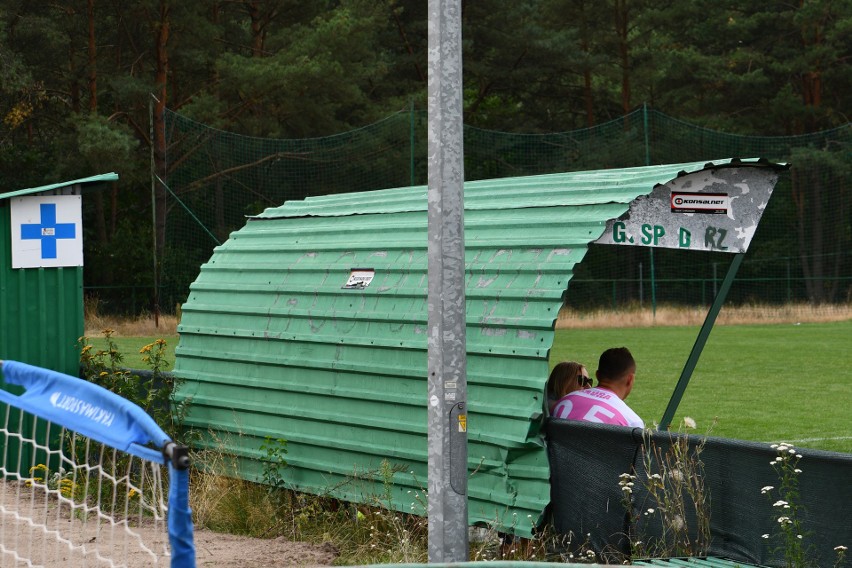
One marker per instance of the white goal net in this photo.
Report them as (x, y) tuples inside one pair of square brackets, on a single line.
[(87, 478)]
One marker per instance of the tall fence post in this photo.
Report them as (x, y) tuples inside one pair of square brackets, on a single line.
[(156, 273), (645, 128), (411, 139)]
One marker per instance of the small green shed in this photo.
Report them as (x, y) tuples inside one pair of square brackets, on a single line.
[(41, 302), (310, 324)]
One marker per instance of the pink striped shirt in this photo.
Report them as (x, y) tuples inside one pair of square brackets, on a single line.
[(596, 405)]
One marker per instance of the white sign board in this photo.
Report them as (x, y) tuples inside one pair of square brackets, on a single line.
[(47, 231), (716, 209)]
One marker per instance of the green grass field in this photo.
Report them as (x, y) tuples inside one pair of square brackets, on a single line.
[(765, 383), (760, 382)]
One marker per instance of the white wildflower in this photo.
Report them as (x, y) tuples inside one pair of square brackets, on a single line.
[(688, 422), (782, 448), (773, 446), (677, 522), (798, 456), (784, 520), (799, 536), (779, 503), (650, 511), (767, 489), (840, 548), (797, 470), (791, 451), (764, 536)]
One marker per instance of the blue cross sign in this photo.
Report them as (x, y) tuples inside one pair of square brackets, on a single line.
[(48, 230)]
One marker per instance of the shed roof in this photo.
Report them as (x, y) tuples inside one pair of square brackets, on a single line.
[(112, 176), (273, 343)]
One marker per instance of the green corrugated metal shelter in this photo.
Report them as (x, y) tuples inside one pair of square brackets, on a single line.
[(275, 343), (41, 309)]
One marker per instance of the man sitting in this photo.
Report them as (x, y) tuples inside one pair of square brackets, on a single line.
[(604, 403)]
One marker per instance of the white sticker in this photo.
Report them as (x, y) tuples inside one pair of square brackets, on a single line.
[(434, 400), (359, 278)]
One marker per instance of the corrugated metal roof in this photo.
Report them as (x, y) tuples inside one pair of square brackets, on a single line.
[(273, 345), (46, 188)]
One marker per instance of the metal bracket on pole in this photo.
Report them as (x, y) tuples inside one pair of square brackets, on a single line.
[(706, 328)]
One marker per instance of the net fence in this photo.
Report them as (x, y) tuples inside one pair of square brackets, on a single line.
[(801, 253), (675, 495)]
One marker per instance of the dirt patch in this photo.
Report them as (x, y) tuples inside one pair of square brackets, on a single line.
[(213, 549), (37, 530)]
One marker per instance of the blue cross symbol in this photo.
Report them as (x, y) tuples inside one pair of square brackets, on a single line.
[(48, 230)]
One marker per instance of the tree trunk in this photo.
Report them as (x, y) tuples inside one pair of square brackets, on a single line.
[(92, 59), (622, 28), (811, 79), (588, 97), (258, 29)]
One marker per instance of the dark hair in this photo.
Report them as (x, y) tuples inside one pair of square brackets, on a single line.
[(615, 363), (561, 376)]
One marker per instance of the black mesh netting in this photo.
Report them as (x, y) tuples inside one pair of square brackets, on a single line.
[(588, 459)]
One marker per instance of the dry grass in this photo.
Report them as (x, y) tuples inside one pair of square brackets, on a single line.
[(680, 315), (141, 326), (632, 316), (145, 325)]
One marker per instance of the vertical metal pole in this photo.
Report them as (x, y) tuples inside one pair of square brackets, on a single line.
[(411, 143), (647, 134), (156, 274), (789, 289), (715, 280), (447, 354), (698, 347), (653, 285), (650, 250)]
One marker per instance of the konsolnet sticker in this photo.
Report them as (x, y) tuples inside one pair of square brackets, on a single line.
[(713, 203), (359, 278)]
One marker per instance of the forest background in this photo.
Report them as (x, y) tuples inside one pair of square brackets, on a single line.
[(77, 79)]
